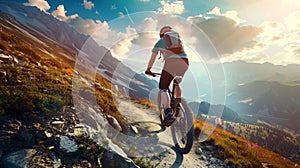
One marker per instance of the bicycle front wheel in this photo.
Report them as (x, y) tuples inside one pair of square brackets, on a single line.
[(183, 127)]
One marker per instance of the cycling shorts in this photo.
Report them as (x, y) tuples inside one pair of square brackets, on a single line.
[(172, 67)]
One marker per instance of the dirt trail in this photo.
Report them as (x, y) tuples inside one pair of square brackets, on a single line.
[(147, 118)]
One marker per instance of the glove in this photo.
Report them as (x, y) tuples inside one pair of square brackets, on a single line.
[(148, 72)]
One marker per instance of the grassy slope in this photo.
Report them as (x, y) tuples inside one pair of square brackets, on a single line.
[(42, 79), (239, 151), (282, 141)]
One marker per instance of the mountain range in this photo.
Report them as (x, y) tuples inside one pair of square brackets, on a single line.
[(258, 91)]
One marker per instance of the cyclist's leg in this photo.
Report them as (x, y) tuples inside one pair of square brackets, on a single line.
[(164, 83), (182, 66), (177, 91)]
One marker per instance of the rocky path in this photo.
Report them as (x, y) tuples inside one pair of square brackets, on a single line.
[(146, 119)]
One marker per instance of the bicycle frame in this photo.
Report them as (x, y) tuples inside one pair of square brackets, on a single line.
[(171, 91)]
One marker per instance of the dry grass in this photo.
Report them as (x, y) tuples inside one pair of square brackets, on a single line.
[(239, 151), (45, 77)]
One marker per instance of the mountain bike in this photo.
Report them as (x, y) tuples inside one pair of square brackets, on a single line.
[(182, 128)]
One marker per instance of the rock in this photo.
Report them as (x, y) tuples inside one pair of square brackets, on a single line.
[(9, 130), (47, 159), (51, 147), (3, 74), (211, 148), (25, 138), (111, 159), (198, 151), (213, 161), (57, 122), (203, 158), (48, 134), (134, 129), (79, 129), (86, 163), (19, 159), (6, 59), (67, 145), (114, 123)]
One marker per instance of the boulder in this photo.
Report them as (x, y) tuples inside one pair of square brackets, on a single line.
[(9, 130), (111, 159), (18, 159), (25, 139), (114, 123), (67, 145)]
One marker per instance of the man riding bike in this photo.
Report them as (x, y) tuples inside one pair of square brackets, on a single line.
[(176, 64)]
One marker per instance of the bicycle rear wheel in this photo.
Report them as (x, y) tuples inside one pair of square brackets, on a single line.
[(183, 128)]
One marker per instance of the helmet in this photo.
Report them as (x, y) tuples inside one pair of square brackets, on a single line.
[(163, 30)]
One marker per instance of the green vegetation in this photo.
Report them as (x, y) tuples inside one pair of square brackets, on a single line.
[(144, 163), (89, 150), (27, 89)]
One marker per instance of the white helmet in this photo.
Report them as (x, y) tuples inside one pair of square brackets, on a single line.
[(163, 30)]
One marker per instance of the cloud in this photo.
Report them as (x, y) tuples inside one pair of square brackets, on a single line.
[(226, 35), (60, 14), (119, 43), (43, 5), (278, 43), (88, 4), (281, 39), (84, 26), (147, 32), (228, 14), (90, 27), (124, 42), (176, 7), (255, 54), (296, 51), (293, 21)]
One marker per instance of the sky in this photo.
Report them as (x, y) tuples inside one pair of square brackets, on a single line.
[(211, 30)]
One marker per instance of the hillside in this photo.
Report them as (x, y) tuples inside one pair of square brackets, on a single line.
[(270, 136), (281, 141), (38, 115), (272, 102), (205, 108), (239, 150)]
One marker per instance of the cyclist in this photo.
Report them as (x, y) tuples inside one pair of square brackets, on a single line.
[(176, 64)]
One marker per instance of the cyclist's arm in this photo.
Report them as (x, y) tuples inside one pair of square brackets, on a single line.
[(151, 61)]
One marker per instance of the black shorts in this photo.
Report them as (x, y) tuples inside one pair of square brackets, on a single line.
[(172, 67)]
